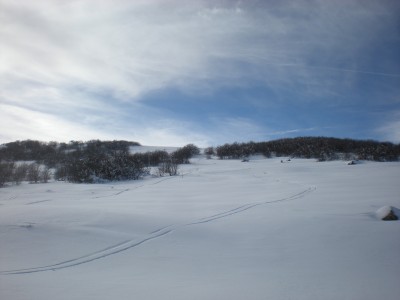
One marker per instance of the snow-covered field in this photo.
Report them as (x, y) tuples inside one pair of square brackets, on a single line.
[(221, 230)]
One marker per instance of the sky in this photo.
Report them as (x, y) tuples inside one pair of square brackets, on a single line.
[(205, 72)]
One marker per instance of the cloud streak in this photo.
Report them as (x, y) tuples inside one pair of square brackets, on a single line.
[(390, 130), (83, 62), (131, 47)]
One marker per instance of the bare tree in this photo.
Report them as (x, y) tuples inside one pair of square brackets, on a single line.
[(169, 167), (209, 152), (6, 172), (19, 173), (44, 175), (33, 173)]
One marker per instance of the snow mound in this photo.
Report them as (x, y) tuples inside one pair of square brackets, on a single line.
[(387, 213)]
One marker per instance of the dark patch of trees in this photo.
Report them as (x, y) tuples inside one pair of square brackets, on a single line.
[(168, 167), (209, 151), (11, 172), (321, 148), (236, 150), (182, 155), (6, 172), (51, 153), (85, 162), (97, 161), (95, 167)]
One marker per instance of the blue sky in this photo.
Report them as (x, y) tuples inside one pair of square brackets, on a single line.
[(205, 72)]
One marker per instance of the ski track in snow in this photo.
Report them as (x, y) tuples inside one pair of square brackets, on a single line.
[(126, 245), (35, 202), (134, 188), (87, 258), (111, 195), (251, 205)]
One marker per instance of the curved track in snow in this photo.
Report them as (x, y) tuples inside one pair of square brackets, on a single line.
[(126, 245), (251, 205)]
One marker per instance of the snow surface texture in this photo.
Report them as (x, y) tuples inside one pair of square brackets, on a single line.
[(222, 230)]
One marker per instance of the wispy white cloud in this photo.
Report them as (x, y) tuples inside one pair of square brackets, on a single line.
[(290, 131), (21, 124), (83, 59), (131, 47), (24, 123), (390, 129)]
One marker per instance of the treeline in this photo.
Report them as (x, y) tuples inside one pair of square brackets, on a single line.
[(87, 162), (321, 148), (94, 164), (97, 161), (16, 173), (52, 153)]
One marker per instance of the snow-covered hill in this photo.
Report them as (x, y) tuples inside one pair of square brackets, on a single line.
[(222, 230), (144, 149)]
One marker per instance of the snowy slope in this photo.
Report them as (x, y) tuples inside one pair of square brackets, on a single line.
[(221, 230), (144, 149)]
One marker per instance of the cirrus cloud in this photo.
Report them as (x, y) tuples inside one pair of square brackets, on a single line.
[(86, 63)]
